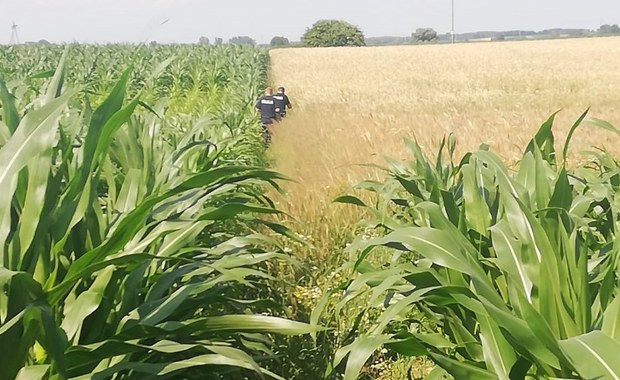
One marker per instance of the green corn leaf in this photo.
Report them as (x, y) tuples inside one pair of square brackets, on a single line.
[(169, 368), (462, 370), (508, 250), (544, 141), (21, 318), (86, 303), (409, 346), (128, 196), (54, 89), (11, 116), (562, 193), (498, 352), (604, 125), (476, 209), (594, 355), (524, 338), (34, 372), (571, 132), (438, 373), (358, 353), (348, 199), (34, 135), (611, 319), (39, 169), (259, 323)]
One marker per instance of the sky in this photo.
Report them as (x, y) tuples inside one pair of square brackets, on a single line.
[(186, 20)]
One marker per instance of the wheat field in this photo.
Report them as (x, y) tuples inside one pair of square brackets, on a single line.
[(356, 105)]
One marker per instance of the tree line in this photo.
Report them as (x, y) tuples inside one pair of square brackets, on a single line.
[(330, 33)]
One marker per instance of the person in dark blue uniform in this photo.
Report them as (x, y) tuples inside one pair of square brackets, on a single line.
[(266, 105), (282, 102)]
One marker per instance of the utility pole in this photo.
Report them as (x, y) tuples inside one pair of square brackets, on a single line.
[(453, 21), (14, 35)]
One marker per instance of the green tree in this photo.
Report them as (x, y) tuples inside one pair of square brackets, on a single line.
[(609, 29), (424, 35), (242, 40), (279, 41), (325, 33)]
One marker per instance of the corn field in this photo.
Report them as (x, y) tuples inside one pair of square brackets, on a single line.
[(130, 214)]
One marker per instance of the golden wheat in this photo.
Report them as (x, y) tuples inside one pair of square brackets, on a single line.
[(356, 105)]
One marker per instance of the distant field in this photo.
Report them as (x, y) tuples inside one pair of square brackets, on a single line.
[(355, 105)]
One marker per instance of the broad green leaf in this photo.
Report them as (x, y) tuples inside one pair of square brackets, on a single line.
[(476, 209), (34, 372), (105, 121), (11, 116), (435, 340), (85, 304), (594, 355), (544, 174), (358, 353), (54, 88), (34, 135), (435, 244), (508, 250), (603, 125), (408, 347), (498, 352), (259, 323), (544, 141), (128, 195), (563, 193), (462, 370), (394, 310), (438, 373), (348, 199), (525, 340), (38, 173), (569, 136), (611, 320), (169, 368)]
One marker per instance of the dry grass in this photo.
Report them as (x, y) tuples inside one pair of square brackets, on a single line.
[(355, 105)]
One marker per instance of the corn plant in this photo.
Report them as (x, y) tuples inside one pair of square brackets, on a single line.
[(197, 80), (493, 273), (128, 240)]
